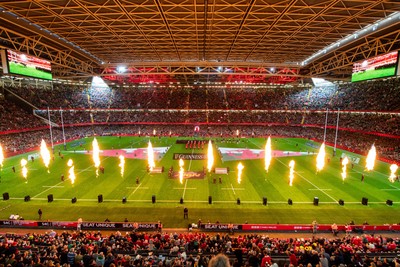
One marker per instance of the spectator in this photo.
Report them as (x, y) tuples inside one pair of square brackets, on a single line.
[(219, 260)]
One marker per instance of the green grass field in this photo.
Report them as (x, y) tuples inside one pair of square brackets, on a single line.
[(256, 183), (29, 71)]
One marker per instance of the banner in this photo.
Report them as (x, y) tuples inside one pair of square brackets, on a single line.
[(218, 227), (35, 224), (119, 226), (190, 156)]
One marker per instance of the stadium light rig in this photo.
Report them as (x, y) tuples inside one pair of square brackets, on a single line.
[(382, 23), (121, 69)]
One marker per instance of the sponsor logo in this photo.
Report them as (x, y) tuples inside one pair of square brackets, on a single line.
[(189, 156), (219, 226)]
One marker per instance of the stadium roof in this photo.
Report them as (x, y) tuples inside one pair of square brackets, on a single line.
[(191, 40)]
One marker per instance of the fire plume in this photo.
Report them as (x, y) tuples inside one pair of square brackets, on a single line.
[(240, 168), (371, 159), (45, 154), (1, 156), (122, 164), (321, 157), (345, 161), (210, 156), (71, 171), (150, 156), (96, 155), (24, 169), (181, 163), (291, 172), (268, 154), (393, 170)]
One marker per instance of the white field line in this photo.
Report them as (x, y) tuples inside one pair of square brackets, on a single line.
[(307, 180), (54, 186)]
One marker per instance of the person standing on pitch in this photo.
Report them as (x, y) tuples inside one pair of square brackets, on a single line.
[(185, 213), (40, 213)]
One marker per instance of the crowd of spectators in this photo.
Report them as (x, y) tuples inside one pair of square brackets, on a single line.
[(93, 249), (221, 109), (13, 117), (379, 95), (385, 123)]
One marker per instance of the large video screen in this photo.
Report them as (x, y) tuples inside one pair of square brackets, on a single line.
[(377, 67), (26, 65)]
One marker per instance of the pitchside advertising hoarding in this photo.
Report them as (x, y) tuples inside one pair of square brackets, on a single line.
[(211, 227), (84, 226), (123, 226)]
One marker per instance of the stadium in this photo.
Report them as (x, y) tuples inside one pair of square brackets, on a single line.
[(161, 133)]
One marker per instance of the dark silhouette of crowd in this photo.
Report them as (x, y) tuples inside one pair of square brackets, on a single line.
[(94, 249)]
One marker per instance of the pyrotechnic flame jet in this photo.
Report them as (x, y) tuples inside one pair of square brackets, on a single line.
[(321, 158), (181, 163), (1, 157), (393, 170), (371, 158), (122, 164), (45, 154), (345, 161), (96, 155), (71, 171), (240, 168), (291, 172), (24, 169), (268, 154), (210, 156), (150, 156)]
